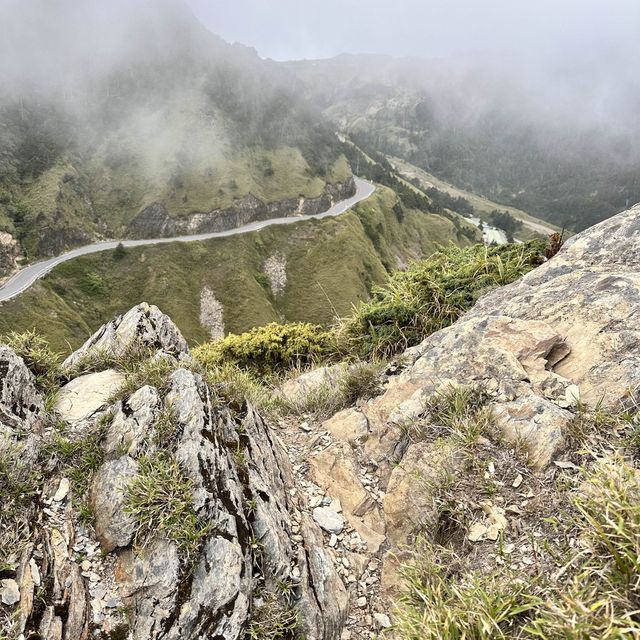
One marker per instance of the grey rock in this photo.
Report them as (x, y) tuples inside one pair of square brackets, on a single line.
[(298, 388), (133, 425), (85, 395), (9, 592), (328, 519), (21, 405), (114, 528), (144, 326)]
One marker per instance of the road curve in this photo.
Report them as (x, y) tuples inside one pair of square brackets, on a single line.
[(24, 278)]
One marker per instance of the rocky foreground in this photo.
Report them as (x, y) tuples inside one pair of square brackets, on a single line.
[(303, 520)]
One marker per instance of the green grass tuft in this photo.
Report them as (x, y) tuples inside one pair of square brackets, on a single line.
[(160, 498), (432, 294)]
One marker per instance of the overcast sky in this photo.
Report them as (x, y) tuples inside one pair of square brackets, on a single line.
[(292, 29)]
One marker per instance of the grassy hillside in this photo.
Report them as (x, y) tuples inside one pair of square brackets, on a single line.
[(330, 264)]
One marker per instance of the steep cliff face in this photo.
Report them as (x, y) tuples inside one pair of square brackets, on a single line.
[(155, 221), (10, 252)]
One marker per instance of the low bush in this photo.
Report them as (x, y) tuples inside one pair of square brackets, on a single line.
[(432, 294), (269, 349)]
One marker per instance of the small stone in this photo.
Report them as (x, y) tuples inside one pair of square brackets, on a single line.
[(572, 395), (9, 592), (345, 635), (35, 572), (328, 519), (518, 481), (333, 540), (85, 565), (477, 532), (63, 490), (382, 620), (304, 426), (361, 602)]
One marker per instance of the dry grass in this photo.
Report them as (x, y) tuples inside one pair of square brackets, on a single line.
[(567, 565)]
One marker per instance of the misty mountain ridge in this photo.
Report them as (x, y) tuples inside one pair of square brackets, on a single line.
[(163, 112), (119, 119), (555, 140)]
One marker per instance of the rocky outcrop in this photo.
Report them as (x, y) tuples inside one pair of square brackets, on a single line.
[(10, 252), (155, 221), (563, 334), (253, 537), (143, 327)]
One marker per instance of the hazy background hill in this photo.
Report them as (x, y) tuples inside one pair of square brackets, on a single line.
[(556, 139), (106, 109)]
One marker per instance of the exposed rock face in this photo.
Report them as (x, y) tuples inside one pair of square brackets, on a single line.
[(84, 396), (242, 487), (565, 332), (589, 293), (275, 268), (211, 313), (9, 253), (155, 221), (21, 405)]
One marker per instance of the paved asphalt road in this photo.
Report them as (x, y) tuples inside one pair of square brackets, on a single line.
[(24, 278)]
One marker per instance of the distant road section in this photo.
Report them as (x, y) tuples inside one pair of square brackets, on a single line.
[(24, 278)]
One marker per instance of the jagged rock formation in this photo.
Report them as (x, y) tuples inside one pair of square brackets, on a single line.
[(240, 484), (143, 327), (154, 221)]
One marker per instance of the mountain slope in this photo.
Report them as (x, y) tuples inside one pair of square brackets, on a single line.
[(162, 117), (309, 271), (558, 147)]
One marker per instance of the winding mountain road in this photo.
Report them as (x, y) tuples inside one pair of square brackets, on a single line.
[(24, 278)]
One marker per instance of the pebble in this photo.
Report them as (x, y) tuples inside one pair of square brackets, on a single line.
[(63, 490), (35, 572), (361, 602), (328, 519), (9, 592), (382, 620)]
